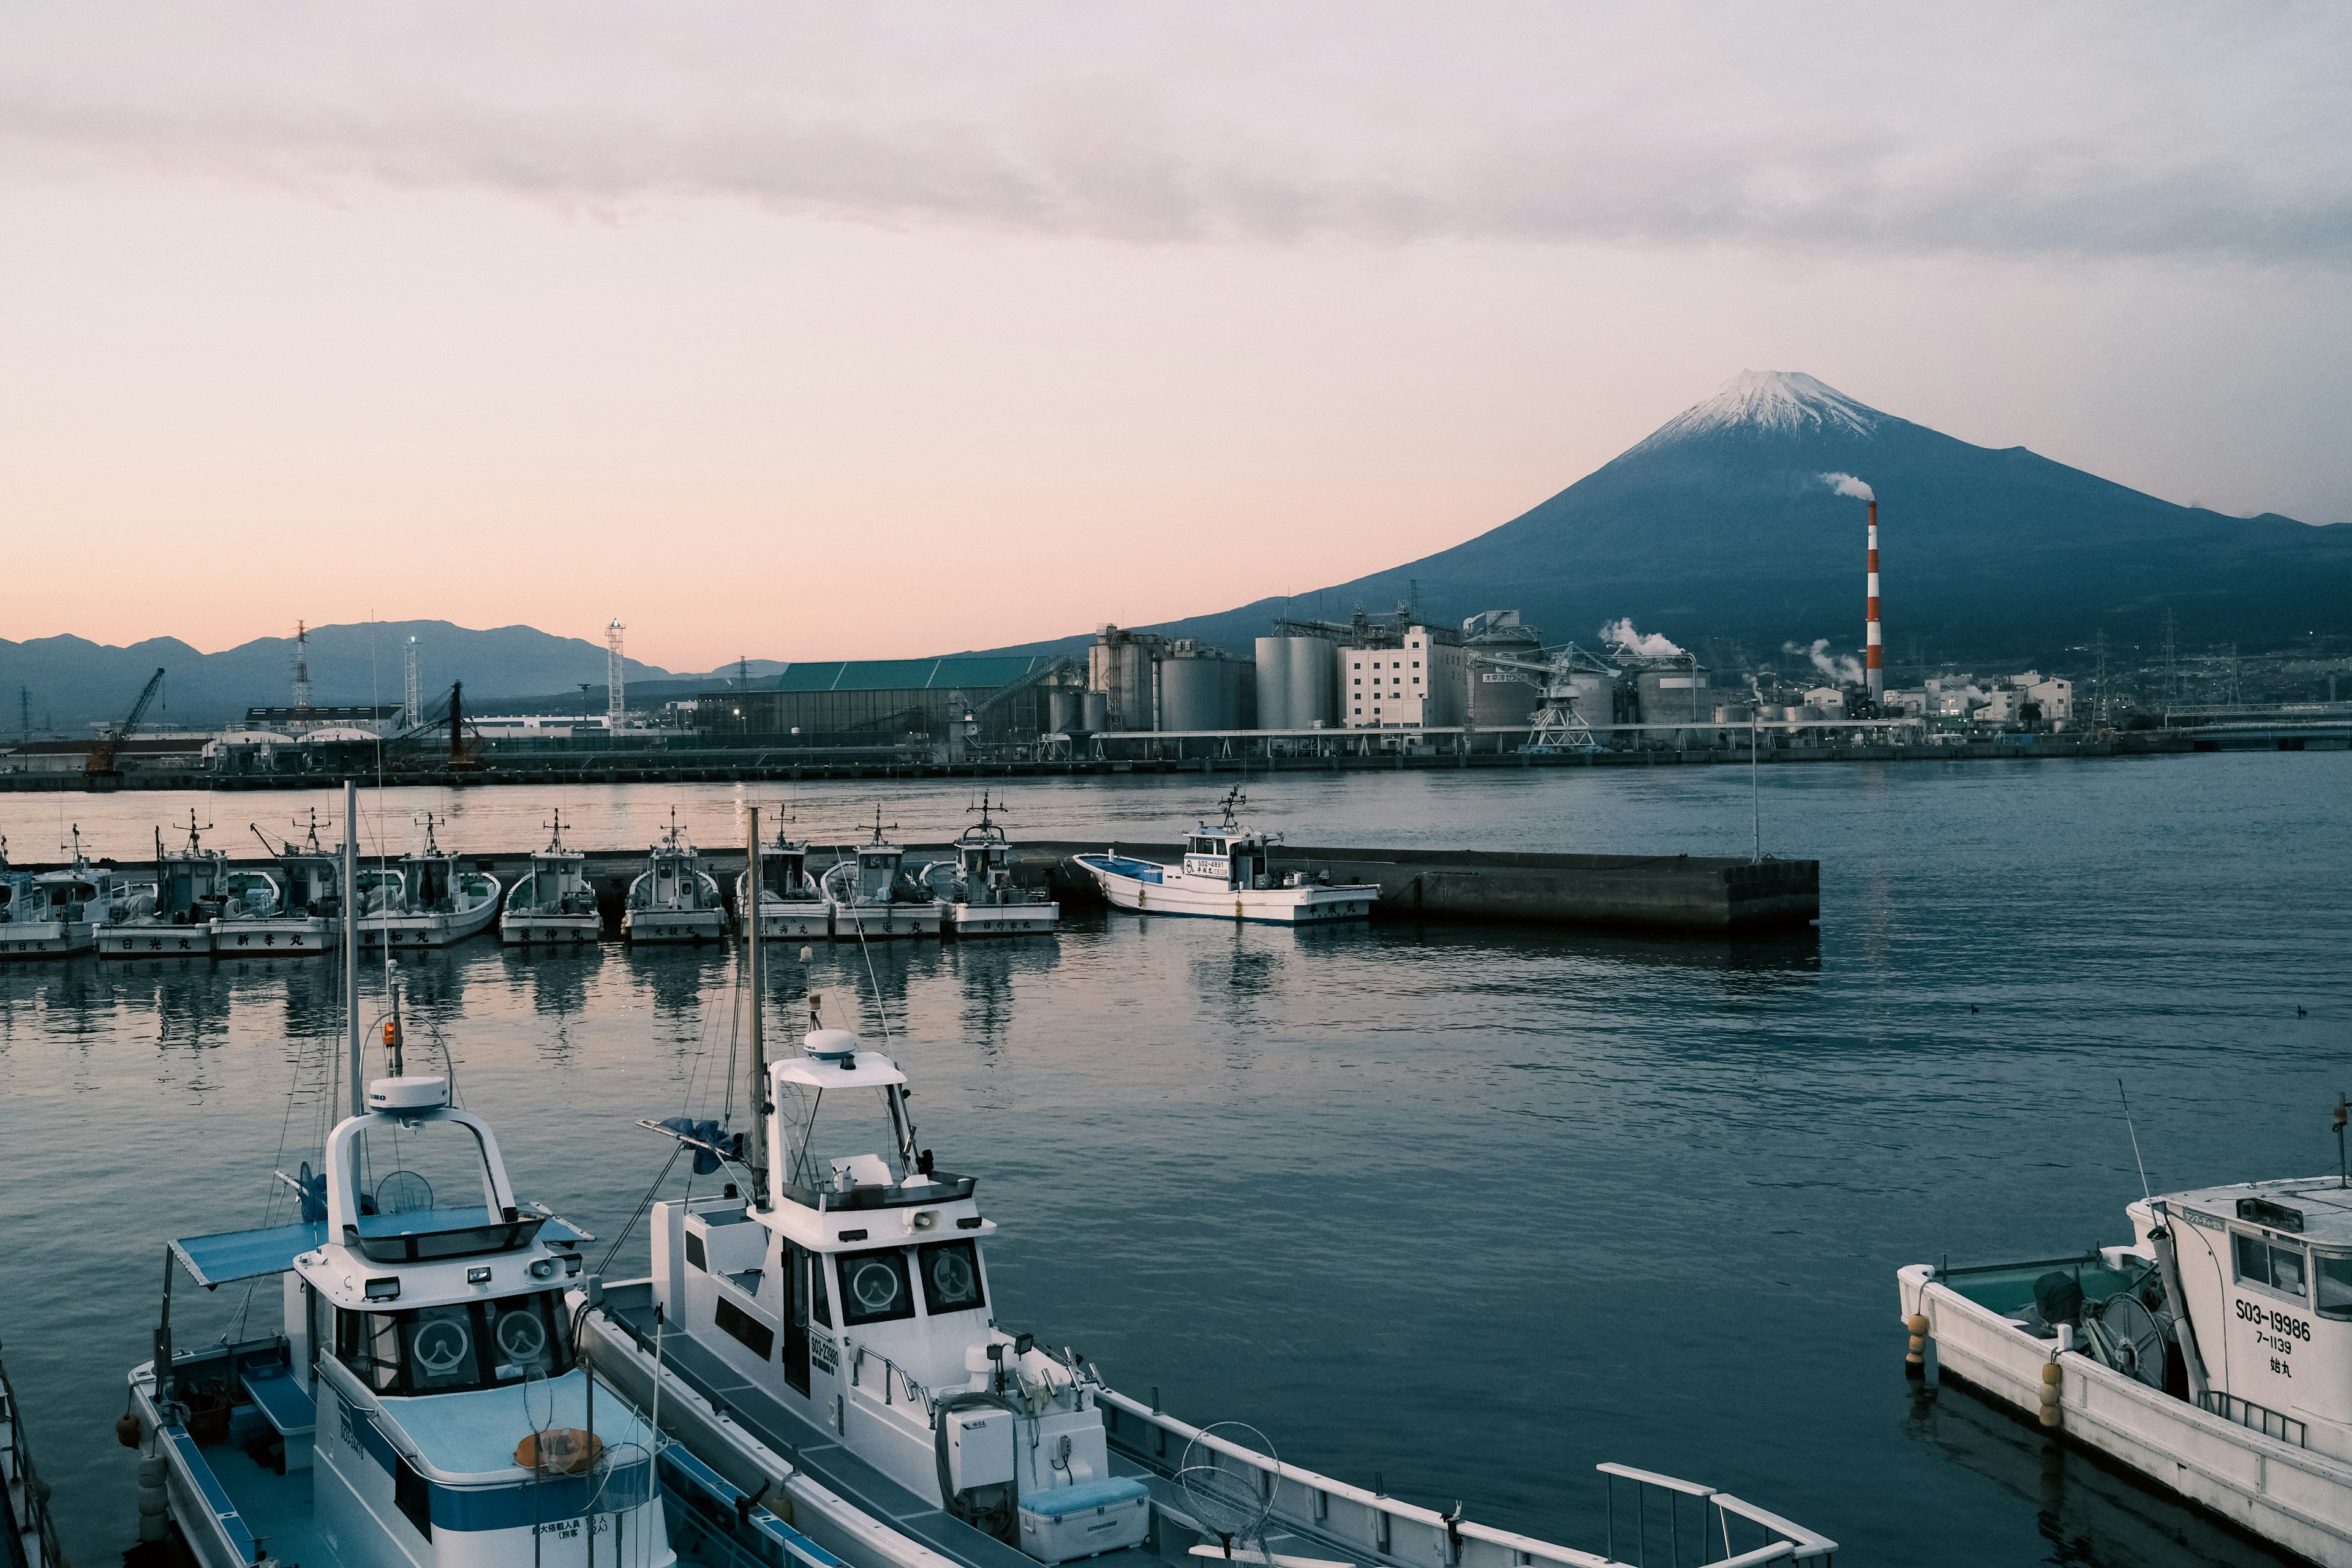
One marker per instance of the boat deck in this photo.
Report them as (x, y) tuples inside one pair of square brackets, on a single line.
[(276, 1509), (822, 1455)]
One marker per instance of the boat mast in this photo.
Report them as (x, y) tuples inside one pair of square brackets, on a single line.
[(350, 933), (755, 1097)]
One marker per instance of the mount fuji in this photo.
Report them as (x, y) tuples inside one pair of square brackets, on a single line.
[(1724, 531)]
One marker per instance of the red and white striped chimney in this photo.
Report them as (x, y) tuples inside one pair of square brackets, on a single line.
[(1875, 675)]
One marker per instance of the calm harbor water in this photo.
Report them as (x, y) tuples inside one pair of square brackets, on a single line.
[(1470, 1209)]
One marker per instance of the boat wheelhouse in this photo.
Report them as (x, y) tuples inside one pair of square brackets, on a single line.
[(789, 904), (54, 914), (977, 893), (191, 891), (871, 893), (2213, 1353), (1227, 873), (431, 900), (552, 904), (673, 899), (837, 1327), (308, 916)]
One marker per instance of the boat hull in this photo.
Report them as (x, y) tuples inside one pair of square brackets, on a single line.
[(2293, 1496), (45, 939), (157, 941), (966, 921), (852, 923), (519, 930), (425, 930), (781, 920), (1309, 905), (642, 927), (289, 936)]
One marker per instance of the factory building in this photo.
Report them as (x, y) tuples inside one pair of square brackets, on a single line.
[(1146, 681), (853, 702), (1419, 683)]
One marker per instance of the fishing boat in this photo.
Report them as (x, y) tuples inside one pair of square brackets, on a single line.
[(54, 914), (306, 917), (552, 904), (790, 904), (977, 895), (419, 1401), (825, 1327), (673, 899), (2211, 1354), (1227, 873), (430, 900), (872, 894), (191, 892)]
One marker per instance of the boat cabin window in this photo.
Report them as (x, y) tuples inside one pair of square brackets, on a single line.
[(874, 1288), (951, 1271), (2334, 1278), (454, 1349), (2270, 1265), (424, 1192)]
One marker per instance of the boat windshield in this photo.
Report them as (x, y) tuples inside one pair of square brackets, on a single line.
[(424, 1191), (840, 1139), (456, 1348)]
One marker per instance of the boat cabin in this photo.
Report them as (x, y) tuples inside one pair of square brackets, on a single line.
[(875, 873), (1232, 859), (784, 869), (310, 882), (557, 884)]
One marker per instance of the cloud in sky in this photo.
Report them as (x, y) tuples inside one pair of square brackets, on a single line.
[(2202, 136)]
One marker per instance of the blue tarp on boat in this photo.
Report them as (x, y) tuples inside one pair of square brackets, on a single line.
[(235, 1255)]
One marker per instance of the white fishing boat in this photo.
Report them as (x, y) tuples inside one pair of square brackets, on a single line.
[(552, 905), (977, 894), (2211, 1354), (790, 904), (1227, 874), (429, 901), (673, 899), (191, 891), (871, 893), (825, 1329), (54, 914), (418, 1403), (306, 917)]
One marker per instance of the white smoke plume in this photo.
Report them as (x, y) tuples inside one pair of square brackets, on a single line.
[(1847, 485), (1843, 669), (1620, 633)]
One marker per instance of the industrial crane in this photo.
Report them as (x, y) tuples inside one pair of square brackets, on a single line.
[(100, 771), (1557, 728)]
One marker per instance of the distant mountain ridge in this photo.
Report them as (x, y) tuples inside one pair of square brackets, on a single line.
[(72, 681), (1719, 530)]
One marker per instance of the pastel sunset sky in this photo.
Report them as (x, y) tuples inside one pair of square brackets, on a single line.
[(834, 331)]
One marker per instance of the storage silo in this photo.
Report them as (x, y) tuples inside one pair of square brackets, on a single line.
[(1314, 681), (1188, 693), (1272, 679), (1063, 708), (1093, 712)]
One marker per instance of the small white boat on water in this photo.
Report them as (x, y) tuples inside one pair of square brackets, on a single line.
[(1227, 874), (673, 899), (552, 904), (977, 895), (790, 904), (2213, 1353), (872, 894), (418, 1403), (428, 901), (191, 891), (306, 917), (825, 1329), (55, 914)]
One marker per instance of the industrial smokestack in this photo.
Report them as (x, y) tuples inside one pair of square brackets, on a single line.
[(1872, 674)]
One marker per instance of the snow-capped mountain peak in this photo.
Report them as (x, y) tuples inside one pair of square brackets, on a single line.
[(1771, 402)]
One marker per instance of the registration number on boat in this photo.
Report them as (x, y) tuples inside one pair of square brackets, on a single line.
[(2271, 1317)]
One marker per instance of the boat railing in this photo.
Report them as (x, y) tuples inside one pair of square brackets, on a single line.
[(1775, 1540), (21, 1484), (1406, 1535)]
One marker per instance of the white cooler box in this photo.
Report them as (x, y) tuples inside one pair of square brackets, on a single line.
[(1091, 1516)]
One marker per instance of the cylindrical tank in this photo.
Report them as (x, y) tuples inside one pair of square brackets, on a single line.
[(1502, 698), (1063, 710), (1314, 681), (1188, 693), (1274, 684), (1094, 713)]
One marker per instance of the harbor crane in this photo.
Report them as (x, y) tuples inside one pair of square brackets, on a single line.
[(98, 771), (1557, 729)]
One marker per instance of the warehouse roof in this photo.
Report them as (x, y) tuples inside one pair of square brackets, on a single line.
[(981, 674)]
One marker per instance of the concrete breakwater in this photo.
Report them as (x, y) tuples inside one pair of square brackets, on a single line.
[(1697, 893)]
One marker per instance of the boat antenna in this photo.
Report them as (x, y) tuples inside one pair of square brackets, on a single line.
[(1234, 802), (351, 937), (556, 827), (194, 844), (2143, 1191), (755, 1096)]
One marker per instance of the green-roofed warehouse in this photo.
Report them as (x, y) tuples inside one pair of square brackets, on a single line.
[(883, 701)]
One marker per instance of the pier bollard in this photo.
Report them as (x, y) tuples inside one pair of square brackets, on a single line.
[(152, 1505), (2051, 1376), (1915, 1359)]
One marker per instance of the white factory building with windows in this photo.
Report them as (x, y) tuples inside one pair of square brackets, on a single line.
[(1423, 684)]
